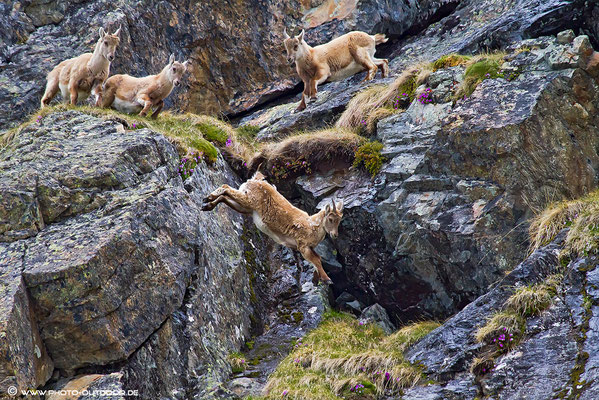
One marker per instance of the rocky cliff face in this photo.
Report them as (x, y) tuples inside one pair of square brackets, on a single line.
[(446, 217), (112, 277), (238, 64)]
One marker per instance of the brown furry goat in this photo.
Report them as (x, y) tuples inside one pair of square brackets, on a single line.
[(78, 77), (340, 58), (130, 94), (279, 219)]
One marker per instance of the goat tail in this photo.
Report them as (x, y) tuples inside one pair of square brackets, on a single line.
[(380, 38)]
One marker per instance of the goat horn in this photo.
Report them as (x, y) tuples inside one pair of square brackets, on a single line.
[(333, 201)]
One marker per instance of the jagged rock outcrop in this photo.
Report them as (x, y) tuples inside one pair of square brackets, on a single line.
[(556, 351), (446, 217), (105, 254), (470, 28)]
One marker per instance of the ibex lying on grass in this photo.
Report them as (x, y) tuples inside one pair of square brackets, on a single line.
[(129, 94), (340, 58), (279, 219), (84, 74)]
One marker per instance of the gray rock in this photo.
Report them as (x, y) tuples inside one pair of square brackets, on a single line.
[(121, 267), (110, 385), (378, 315), (566, 37)]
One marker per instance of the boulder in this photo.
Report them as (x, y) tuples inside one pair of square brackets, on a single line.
[(117, 264), (378, 315)]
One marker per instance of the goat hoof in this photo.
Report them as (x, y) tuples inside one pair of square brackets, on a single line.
[(328, 282), (207, 207)]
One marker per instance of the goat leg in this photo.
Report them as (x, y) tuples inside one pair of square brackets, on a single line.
[(298, 274)]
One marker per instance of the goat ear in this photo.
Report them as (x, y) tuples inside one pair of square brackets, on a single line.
[(102, 33), (327, 208), (285, 34), (171, 60), (339, 206), (300, 37), (118, 31), (187, 64)]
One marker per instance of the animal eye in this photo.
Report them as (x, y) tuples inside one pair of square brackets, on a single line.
[(295, 47)]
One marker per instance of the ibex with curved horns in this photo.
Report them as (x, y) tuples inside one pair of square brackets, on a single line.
[(78, 77), (279, 219), (340, 58)]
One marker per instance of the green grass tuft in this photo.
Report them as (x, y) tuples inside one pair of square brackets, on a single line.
[(248, 132), (340, 354), (213, 133), (481, 67), (182, 130), (369, 157), (449, 60), (505, 328)]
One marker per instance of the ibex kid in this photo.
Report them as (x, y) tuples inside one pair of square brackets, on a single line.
[(131, 95), (340, 58), (279, 219), (78, 77)]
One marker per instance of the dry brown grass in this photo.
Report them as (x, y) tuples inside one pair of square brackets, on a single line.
[(314, 147), (581, 216), (376, 102)]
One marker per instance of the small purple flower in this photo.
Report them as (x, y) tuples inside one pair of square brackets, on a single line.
[(229, 142), (134, 126), (361, 323), (284, 392)]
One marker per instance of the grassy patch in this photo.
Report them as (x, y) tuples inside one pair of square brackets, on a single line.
[(369, 157), (504, 330), (247, 133), (182, 130), (481, 67), (238, 362), (450, 60), (195, 136), (343, 359), (366, 108), (581, 216), (301, 153)]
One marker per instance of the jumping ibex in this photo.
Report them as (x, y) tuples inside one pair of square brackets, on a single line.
[(279, 219), (130, 94), (85, 74), (340, 58)]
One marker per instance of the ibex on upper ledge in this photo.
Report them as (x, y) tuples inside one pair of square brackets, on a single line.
[(84, 74), (128, 94), (340, 58), (279, 219)]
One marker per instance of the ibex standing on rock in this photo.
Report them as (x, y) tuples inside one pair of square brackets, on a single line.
[(279, 219), (130, 94), (83, 75), (340, 58)]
